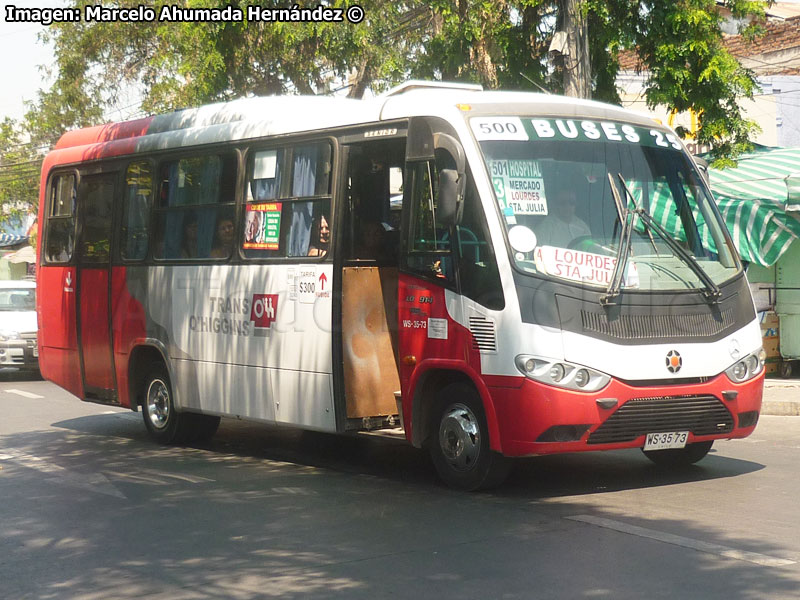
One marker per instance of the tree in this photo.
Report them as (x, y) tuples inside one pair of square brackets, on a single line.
[(20, 164), (680, 47), (498, 43)]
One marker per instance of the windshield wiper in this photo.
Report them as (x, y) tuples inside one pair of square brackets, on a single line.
[(711, 290), (637, 207), (626, 216)]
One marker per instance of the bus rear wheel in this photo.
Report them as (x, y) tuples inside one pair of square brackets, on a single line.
[(163, 422), (680, 457), (459, 441)]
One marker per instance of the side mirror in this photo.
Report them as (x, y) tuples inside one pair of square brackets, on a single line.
[(451, 193)]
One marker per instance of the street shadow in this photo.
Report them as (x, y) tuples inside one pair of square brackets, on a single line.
[(612, 471), (13, 374), (393, 459), (270, 512)]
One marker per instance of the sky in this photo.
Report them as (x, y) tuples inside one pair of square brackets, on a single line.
[(22, 54)]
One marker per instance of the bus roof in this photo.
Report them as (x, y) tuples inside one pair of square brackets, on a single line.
[(248, 118)]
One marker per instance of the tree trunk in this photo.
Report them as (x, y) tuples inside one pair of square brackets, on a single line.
[(577, 72)]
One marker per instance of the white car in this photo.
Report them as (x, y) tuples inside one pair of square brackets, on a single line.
[(18, 326)]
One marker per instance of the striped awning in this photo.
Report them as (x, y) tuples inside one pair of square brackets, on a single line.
[(10, 239), (755, 201)]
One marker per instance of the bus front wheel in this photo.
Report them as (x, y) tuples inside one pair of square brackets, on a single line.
[(679, 457), (163, 422), (459, 441)]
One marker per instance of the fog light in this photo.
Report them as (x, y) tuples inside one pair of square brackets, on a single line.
[(563, 433), (557, 372), (748, 419), (530, 365)]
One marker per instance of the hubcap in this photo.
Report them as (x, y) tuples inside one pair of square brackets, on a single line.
[(460, 437), (158, 403)]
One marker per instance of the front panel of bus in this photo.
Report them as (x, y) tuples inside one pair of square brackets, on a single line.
[(634, 313)]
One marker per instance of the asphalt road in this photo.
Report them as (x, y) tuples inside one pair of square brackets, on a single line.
[(91, 509)]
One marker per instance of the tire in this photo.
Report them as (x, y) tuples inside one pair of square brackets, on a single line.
[(163, 422), (786, 369), (459, 441), (679, 457)]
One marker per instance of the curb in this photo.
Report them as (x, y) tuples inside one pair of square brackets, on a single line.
[(781, 398)]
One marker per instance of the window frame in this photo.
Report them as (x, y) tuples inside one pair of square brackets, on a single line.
[(120, 229), (54, 175), (408, 251), (284, 195), (220, 151), (110, 171)]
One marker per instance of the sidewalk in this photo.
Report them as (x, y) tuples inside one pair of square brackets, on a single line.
[(781, 397)]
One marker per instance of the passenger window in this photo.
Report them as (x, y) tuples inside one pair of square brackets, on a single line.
[(60, 231), (195, 208), (288, 216), (137, 202)]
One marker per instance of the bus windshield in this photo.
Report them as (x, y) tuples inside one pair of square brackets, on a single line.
[(553, 179)]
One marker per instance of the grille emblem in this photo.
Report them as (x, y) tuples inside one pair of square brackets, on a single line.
[(674, 361)]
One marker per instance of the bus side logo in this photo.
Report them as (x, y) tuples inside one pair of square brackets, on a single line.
[(264, 310)]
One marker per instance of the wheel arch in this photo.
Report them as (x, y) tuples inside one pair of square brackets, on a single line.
[(428, 380), (141, 356)]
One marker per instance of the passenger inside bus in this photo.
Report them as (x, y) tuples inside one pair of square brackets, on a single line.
[(562, 226), (375, 242), (320, 236), (223, 242)]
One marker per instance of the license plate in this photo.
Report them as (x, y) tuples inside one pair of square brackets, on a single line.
[(666, 441)]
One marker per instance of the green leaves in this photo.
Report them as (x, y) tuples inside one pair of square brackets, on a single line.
[(498, 43)]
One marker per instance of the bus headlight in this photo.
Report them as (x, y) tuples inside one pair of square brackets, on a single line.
[(747, 368), (557, 372), (561, 373)]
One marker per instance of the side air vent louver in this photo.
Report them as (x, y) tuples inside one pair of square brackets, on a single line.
[(483, 334), (702, 415)]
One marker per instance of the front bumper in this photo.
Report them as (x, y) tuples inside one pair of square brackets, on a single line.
[(22, 353), (534, 418)]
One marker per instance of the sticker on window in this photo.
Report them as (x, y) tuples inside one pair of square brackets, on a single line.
[(499, 128), (518, 185), (262, 226), (586, 267), (265, 164)]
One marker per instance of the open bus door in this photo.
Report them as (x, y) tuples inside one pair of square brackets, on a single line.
[(93, 254), (434, 161), (369, 234)]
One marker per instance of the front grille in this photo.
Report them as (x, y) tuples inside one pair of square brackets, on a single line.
[(649, 326), (702, 415)]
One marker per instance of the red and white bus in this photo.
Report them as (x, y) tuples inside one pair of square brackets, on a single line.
[(501, 274)]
